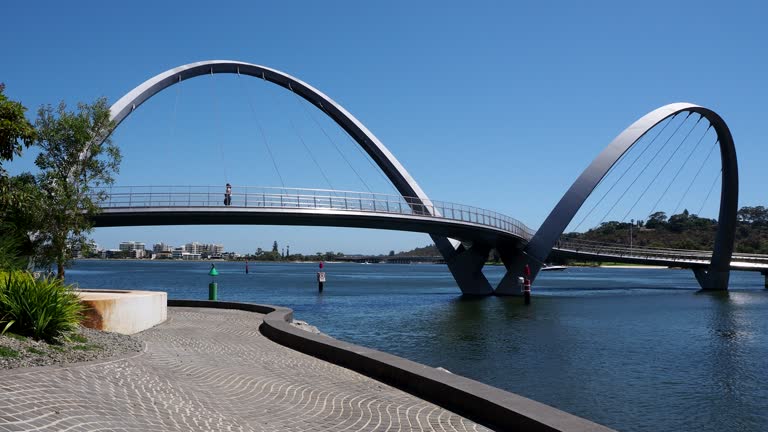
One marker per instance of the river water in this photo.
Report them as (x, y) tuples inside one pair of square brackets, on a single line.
[(633, 349)]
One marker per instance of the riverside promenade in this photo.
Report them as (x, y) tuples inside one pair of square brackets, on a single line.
[(211, 369)]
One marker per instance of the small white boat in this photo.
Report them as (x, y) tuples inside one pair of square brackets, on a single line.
[(553, 268)]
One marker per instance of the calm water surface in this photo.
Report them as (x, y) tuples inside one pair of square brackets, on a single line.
[(634, 349)]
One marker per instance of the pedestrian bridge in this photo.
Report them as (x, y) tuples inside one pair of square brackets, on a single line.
[(204, 205), (463, 235), (696, 260)]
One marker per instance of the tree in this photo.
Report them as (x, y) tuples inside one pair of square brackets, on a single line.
[(274, 247), (15, 130), (753, 215), (77, 158), (391, 253), (656, 220), (23, 215)]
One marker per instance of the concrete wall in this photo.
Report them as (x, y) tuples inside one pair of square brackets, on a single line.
[(479, 402), (125, 312)]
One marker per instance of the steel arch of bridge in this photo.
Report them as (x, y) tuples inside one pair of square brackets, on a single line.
[(467, 275), (716, 276)]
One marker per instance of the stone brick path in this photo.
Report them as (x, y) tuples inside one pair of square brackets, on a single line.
[(211, 369)]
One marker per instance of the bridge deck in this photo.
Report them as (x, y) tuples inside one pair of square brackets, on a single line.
[(190, 205)]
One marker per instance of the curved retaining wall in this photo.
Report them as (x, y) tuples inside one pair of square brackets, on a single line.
[(489, 406)]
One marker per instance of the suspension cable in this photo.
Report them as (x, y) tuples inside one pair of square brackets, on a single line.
[(710, 191), (306, 111), (365, 155), (622, 174), (655, 205), (217, 115), (263, 135), (653, 180), (623, 194), (704, 162), (306, 147)]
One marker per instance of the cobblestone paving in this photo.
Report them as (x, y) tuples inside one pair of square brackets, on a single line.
[(209, 370)]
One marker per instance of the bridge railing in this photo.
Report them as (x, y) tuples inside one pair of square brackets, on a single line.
[(622, 250), (295, 198)]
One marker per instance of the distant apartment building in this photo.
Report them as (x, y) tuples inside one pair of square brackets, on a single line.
[(178, 253), (202, 250), (212, 250), (162, 247), (88, 250), (132, 249), (193, 248)]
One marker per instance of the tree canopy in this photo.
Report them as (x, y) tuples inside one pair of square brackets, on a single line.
[(77, 157), (16, 131)]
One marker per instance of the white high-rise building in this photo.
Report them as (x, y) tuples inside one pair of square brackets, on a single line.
[(193, 248), (133, 249), (162, 247)]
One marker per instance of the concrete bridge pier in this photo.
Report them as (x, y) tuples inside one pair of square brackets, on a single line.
[(466, 265), (514, 261), (765, 276), (712, 280)]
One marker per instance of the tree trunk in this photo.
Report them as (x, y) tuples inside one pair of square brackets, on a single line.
[(60, 270)]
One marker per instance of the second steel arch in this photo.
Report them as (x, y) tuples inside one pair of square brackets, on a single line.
[(717, 275)]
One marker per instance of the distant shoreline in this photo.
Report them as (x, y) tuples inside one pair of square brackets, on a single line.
[(634, 266), (204, 260)]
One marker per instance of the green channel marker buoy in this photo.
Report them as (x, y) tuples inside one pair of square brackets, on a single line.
[(213, 287)]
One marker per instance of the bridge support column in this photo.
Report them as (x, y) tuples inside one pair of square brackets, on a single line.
[(765, 276), (466, 266), (712, 281), (514, 260)]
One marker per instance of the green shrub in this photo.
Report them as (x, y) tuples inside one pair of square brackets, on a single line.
[(8, 352), (78, 338), (43, 308)]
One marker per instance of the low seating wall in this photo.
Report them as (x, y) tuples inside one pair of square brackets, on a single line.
[(123, 311)]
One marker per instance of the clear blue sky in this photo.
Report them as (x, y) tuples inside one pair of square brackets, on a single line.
[(494, 104)]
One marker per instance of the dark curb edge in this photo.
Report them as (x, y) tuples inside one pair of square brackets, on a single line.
[(484, 404)]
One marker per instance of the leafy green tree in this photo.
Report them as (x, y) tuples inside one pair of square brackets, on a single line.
[(274, 247), (77, 158), (656, 220), (15, 130), (753, 215), (23, 215)]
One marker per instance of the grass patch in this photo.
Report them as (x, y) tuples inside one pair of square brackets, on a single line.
[(16, 336), (34, 350), (78, 338), (8, 352)]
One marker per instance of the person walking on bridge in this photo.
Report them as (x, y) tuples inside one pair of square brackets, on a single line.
[(228, 195)]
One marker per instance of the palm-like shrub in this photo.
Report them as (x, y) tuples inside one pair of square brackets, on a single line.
[(44, 308)]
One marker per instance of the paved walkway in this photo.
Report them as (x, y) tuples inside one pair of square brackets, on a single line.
[(211, 369)]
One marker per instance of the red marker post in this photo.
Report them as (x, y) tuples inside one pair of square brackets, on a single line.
[(527, 284), (320, 278)]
